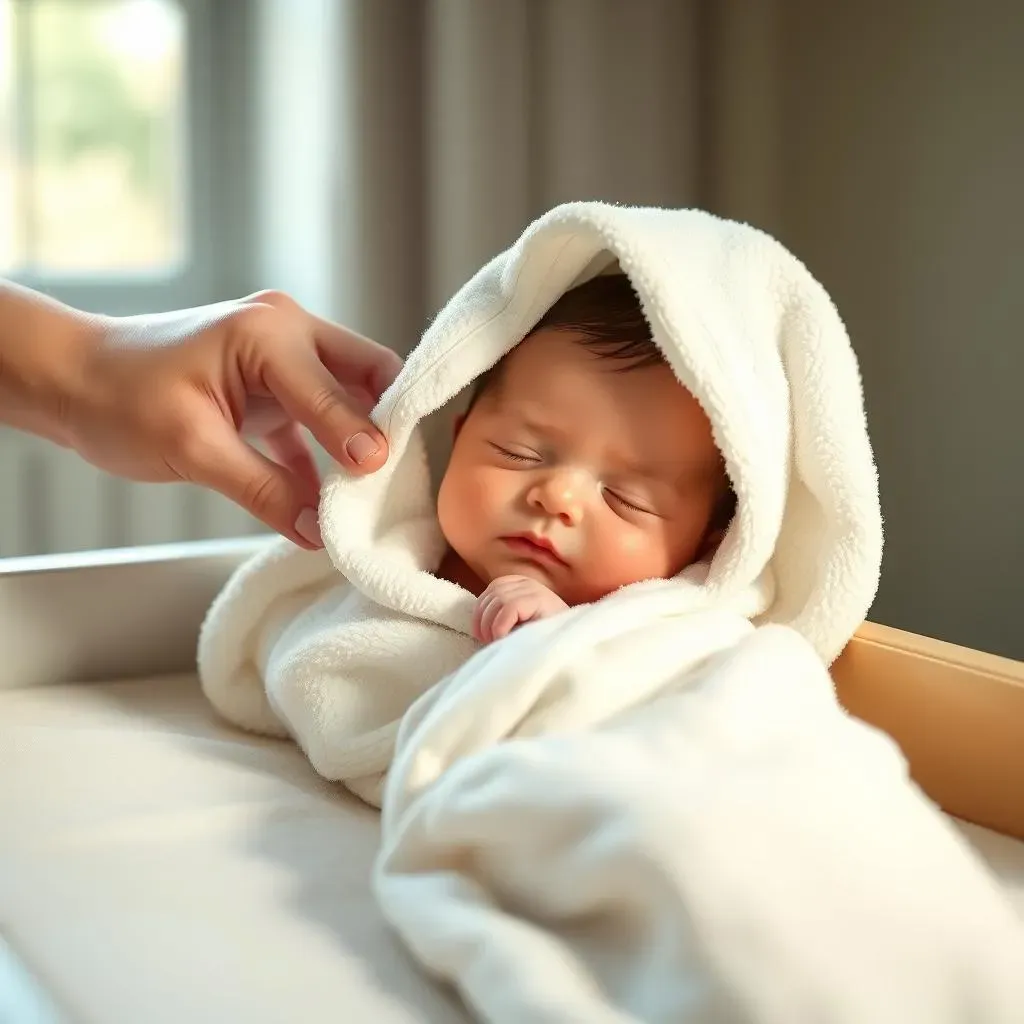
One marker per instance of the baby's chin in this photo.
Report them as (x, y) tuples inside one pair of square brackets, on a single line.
[(475, 575)]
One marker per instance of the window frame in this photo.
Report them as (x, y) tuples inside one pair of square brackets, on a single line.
[(217, 140), (111, 613)]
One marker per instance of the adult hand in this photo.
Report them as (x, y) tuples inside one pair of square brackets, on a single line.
[(170, 396)]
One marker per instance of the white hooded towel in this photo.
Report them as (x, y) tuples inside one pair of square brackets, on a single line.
[(571, 817)]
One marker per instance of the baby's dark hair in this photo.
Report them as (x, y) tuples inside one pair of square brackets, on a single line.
[(606, 314), (605, 311)]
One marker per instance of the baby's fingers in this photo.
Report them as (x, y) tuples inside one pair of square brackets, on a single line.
[(506, 619), (487, 607), (497, 617), (478, 613)]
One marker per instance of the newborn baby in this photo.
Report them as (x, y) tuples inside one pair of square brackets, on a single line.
[(582, 465)]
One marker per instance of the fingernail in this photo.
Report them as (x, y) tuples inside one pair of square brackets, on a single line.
[(308, 527), (360, 447)]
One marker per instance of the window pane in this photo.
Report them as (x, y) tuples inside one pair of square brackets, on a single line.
[(98, 96), (8, 222)]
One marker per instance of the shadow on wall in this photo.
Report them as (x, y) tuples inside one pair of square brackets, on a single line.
[(903, 156)]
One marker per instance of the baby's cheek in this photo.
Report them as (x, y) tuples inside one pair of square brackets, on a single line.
[(474, 496), (633, 542), (626, 556), (485, 494)]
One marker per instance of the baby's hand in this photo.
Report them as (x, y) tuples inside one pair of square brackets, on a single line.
[(509, 601)]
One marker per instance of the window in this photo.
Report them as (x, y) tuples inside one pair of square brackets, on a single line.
[(125, 187), (122, 141), (92, 169)]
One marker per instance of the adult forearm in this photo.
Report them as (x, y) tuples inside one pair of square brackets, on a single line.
[(42, 344)]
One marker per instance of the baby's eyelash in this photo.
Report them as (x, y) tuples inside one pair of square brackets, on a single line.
[(628, 504), (514, 456)]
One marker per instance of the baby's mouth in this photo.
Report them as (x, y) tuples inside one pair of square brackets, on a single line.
[(535, 547)]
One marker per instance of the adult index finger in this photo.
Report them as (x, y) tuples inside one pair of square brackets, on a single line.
[(309, 393)]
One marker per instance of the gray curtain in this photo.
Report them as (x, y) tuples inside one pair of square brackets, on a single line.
[(880, 142), (460, 121)]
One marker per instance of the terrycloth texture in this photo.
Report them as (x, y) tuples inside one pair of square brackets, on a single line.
[(727, 799), (598, 837)]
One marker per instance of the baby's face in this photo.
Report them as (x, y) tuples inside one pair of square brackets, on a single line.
[(579, 474)]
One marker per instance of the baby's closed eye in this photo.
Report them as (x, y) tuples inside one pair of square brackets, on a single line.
[(628, 501), (520, 455)]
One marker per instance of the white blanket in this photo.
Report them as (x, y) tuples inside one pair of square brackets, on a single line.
[(720, 844), (651, 805)]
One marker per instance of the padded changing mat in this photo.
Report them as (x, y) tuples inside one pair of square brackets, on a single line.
[(157, 866)]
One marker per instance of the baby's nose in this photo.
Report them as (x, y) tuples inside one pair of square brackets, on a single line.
[(560, 495)]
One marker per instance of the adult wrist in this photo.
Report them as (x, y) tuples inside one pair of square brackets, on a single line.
[(45, 347)]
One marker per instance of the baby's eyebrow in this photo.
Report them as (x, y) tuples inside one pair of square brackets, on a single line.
[(537, 426), (673, 474), (633, 472)]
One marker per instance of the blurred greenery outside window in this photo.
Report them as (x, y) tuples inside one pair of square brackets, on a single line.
[(127, 134), (92, 138)]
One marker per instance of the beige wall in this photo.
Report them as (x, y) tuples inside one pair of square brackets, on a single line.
[(902, 187)]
